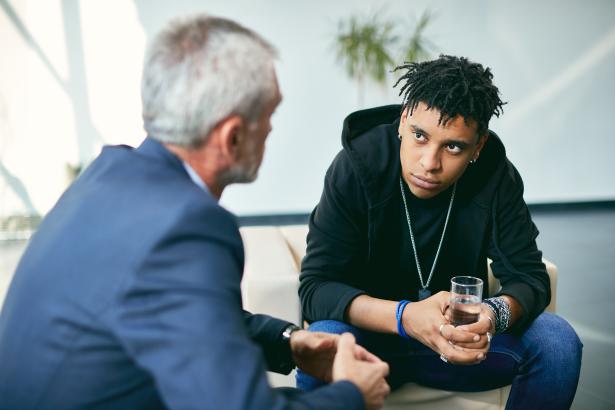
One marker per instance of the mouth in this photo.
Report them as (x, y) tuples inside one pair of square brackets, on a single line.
[(423, 182)]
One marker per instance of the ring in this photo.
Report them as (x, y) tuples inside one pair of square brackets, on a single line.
[(489, 337), (443, 358), (441, 326)]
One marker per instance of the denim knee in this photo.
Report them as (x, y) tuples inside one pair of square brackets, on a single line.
[(555, 340), (332, 326)]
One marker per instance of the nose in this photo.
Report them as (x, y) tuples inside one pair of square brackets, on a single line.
[(430, 160)]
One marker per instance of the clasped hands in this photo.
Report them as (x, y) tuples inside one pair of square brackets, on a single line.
[(332, 357), (428, 321)]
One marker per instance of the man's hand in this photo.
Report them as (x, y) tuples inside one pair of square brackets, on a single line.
[(368, 375), (483, 328), (314, 353), (422, 322)]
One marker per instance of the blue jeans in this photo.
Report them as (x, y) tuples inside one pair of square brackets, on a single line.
[(542, 364)]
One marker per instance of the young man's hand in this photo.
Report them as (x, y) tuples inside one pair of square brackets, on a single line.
[(426, 322), (484, 328)]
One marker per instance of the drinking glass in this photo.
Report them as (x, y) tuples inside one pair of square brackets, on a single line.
[(466, 297)]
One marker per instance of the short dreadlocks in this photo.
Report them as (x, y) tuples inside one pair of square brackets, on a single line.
[(454, 86)]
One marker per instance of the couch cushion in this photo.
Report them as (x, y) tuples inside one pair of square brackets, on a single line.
[(271, 276), (296, 236)]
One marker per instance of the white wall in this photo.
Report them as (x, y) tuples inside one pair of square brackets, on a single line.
[(69, 82)]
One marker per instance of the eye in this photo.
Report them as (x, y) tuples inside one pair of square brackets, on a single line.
[(419, 137), (454, 148)]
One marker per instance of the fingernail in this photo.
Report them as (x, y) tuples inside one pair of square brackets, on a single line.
[(476, 338), (480, 356)]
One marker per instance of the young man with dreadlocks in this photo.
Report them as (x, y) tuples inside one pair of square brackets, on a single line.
[(413, 200)]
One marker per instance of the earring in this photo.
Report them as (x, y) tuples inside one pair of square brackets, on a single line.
[(399, 136), (473, 161)]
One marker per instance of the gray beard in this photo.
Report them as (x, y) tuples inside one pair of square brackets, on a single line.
[(238, 175)]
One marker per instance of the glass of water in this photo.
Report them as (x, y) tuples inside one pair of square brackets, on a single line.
[(466, 297)]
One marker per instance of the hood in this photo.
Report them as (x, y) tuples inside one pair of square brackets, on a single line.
[(371, 140)]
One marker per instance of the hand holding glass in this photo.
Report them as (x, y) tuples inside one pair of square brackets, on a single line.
[(466, 298)]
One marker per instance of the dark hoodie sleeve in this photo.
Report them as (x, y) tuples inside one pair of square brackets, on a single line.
[(336, 245), (517, 262)]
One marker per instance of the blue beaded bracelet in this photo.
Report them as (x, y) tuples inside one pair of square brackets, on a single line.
[(398, 315)]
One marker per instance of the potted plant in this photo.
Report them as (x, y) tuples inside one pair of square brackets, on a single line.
[(366, 46)]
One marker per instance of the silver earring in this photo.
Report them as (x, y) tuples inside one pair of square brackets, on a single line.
[(399, 136), (472, 161)]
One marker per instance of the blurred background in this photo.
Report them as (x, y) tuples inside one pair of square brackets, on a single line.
[(70, 78), (70, 83)]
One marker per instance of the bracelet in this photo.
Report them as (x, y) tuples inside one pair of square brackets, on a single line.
[(501, 311), (398, 315)]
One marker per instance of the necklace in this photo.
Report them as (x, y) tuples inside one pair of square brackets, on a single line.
[(424, 293)]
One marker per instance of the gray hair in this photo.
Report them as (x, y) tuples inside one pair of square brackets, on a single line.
[(199, 71)]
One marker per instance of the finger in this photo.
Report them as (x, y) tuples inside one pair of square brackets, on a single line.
[(443, 300), (383, 367), (460, 336), (460, 356), (482, 326), (455, 335), (447, 314), (346, 345), (483, 344), (482, 347), (472, 347), (385, 389)]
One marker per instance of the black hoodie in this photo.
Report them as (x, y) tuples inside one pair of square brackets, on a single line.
[(353, 244)]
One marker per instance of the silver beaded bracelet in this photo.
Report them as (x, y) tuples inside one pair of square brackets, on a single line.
[(501, 311)]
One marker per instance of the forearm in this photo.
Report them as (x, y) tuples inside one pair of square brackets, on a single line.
[(325, 299), (373, 314)]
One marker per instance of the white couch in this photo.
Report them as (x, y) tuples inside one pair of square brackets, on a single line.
[(271, 279)]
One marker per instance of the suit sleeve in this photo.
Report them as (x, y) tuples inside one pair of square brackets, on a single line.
[(517, 261), (266, 332), (336, 245), (180, 318)]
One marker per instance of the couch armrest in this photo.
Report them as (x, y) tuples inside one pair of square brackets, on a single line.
[(494, 284), (271, 277)]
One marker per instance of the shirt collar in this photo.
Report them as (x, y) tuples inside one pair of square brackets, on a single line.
[(195, 177)]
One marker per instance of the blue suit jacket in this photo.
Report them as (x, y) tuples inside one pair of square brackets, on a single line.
[(128, 296)]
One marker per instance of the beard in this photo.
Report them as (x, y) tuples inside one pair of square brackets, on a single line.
[(241, 173)]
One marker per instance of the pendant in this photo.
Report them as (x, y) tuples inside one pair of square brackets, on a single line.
[(424, 294)]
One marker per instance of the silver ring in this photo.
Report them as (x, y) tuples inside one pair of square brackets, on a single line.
[(441, 326), (489, 337), (443, 358)]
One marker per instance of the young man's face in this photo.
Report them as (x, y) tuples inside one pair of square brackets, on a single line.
[(433, 156)]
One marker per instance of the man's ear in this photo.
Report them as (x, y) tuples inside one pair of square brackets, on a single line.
[(402, 120), (230, 131), (479, 146)]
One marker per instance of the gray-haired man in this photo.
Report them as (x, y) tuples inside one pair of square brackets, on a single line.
[(129, 297)]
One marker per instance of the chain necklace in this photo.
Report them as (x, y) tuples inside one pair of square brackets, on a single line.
[(424, 293)]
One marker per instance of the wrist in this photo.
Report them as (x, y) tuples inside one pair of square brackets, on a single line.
[(501, 313), (288, 332)]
